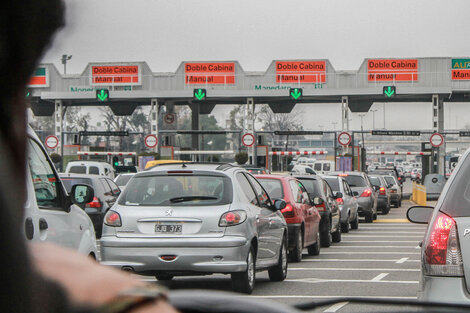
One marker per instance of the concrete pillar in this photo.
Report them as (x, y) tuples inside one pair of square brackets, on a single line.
[(438, 155), (345, 113), (58, 126), (250, 127), (154, 111), (195, 125)]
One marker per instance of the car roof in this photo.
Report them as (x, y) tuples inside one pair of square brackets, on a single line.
[(273, 176), (73, 175), (86, 162), (191, 166)]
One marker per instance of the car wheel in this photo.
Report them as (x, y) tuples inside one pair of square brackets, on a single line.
[(325, 238), (164, 276), (369, 217), (315, 248), (385, 210), (355, 223), (374, 217), (336, 236), (244, 282), (279, 272), (345, 226), (296, 253)]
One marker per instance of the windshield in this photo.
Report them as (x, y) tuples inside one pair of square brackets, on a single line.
[(177, 191), (333, 182), (355, 181), (375, 181), (312, 187), (273, 187), (390, 180), (122, 180)]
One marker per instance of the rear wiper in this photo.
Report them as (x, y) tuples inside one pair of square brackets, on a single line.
[(191, 198)]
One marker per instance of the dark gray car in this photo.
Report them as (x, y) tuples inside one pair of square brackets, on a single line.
[(346, 200), (396, 194), (363, 190), (383, 195), (193, 219)]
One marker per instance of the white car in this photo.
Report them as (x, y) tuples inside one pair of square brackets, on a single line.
[(50, 215), (90, 167)]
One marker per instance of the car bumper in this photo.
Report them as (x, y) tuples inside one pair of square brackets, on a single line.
[(444, 289), (365, 205), (292, 233), (395, 197), (382, 203), (192, 255), (344, 213)]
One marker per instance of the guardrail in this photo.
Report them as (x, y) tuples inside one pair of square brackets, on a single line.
[(418, 194)]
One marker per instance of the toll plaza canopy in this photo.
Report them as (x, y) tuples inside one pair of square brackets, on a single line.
[(226, 82)]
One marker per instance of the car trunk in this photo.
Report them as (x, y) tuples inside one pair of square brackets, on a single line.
[(171, 221)]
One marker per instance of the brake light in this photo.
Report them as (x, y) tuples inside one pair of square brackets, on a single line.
[(382, 191), (288, 211), (95, 203), (343, 174), (321, 207), (442, 255), (232, 218), (339, 200), (366, 193), (393, 190), (112, 218)]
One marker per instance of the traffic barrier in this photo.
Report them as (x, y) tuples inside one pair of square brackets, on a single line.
[(418, 194), (319, 152)]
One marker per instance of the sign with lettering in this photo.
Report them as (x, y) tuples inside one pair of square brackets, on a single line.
[(302, 72), (40, 78), (396, 133), (386, 70), (221, 73), (460, 69), (115, 75)]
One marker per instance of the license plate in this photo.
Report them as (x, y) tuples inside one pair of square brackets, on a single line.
[(168, 228)]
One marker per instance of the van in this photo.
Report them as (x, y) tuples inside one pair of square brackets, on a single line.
[(51, 215), (323, 166), (90, 167)]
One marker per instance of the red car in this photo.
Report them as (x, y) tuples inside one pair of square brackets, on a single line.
[(302, 218)]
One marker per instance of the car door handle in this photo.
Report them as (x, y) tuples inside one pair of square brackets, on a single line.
[(29, 228), (43, 224)]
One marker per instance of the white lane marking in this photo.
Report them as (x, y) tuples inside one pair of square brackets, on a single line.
[(335, 307), (319, 280), (379, 277), (355, 269), (368, 252), (402, 260), (353, 260), (330, 297)]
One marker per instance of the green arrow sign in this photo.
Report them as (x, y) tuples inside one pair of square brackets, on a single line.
[(199, 94), (389, 91), (102, 94), (295, 93)]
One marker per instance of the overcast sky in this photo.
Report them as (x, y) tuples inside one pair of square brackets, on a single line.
[(255, 32)]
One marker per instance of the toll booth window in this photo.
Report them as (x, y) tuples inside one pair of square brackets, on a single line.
[(93, 170), (42, 174), (78, 169)]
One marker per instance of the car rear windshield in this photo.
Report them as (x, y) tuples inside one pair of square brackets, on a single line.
[(70, 182), (177, 190), (389, 180), (457, 199), (78, 169), (333, 182), (122, 180), (374, 180), (355, 181), (273, 187), (312, 186), (317, 166)]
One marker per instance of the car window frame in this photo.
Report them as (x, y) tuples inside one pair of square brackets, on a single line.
[(253, 182)]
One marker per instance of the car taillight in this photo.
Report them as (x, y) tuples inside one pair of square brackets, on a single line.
[(339, 200), (366, 193), (232, 218), (442, 255), (95, 203), (321, 207), (288, 211), (393, 190), (382, 191), (112, 218)]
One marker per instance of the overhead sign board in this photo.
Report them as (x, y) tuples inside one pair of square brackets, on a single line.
[(295, 93), (220, 73), (303, 72), (115, 75), (386, 70), (464, 133), (396, 132), (40, 78), (460, 69)]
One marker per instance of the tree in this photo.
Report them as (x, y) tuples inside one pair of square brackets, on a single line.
[(241, 157)]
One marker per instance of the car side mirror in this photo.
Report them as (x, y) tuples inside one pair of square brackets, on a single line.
[(355, 193), (317, 201), (338, 195), (81, 194), (419, 214), (376, 188), (279, 204)]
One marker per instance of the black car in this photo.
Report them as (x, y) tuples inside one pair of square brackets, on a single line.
[(383, 193), (330, 224), (106, 193)]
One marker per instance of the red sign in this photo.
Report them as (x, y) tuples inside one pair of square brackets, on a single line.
[(386, 70), (151, 141), (209, 73), (436, 140), (39, 78), (51, 142), (115, 75), (169, 118), (248, 140), (288, 72), (344, 138)]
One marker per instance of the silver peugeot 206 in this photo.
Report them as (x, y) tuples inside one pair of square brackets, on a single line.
[(193, 219)]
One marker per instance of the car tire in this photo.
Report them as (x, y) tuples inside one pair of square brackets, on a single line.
[(164, 276), (374, 216), (345, 226), (325, 238), (315, 248), (355, 223), (244, 282), (369, 217), (385, 210), (279, 272), (336, 236), (296, 253)]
